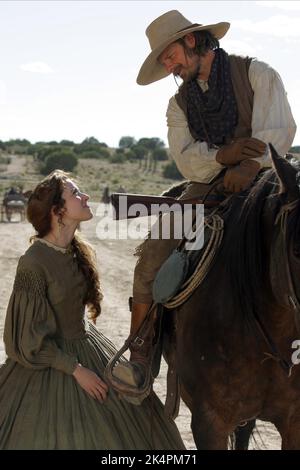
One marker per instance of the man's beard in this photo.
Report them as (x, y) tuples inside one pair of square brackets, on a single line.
[(192, 75)]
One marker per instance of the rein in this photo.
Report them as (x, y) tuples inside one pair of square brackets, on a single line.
[(282, 218)]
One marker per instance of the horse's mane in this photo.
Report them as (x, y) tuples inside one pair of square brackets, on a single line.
[(243, 250)]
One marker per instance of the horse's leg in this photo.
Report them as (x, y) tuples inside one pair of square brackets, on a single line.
[(208, 430), (242, 435), (290, 435), (205, 435)]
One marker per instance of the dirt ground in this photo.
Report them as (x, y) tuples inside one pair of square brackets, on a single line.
[(116, 263)]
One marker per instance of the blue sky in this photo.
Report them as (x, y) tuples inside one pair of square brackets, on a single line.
[(69, 67)]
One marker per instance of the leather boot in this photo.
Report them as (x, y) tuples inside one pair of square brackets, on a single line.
[(134, 372)]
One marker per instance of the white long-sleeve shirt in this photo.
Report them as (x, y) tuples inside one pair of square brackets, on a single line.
[(272, 121)]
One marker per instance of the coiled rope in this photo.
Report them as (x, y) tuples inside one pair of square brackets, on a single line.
[(216, 224)]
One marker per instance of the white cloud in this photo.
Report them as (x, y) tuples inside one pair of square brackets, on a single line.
[(36, 67), (238, 47), (288, 6), (281, 26)]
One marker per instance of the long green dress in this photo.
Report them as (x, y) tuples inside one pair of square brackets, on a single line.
[(41, 404)]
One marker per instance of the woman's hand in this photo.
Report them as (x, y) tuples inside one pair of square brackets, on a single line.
[(91, 383)]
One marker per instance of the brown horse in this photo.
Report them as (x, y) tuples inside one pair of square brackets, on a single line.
[(235, 333)]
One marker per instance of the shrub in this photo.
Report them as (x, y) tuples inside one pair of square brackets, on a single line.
[(118, 157), (42, 152), (83, 148), (171, 171), (61, 160)]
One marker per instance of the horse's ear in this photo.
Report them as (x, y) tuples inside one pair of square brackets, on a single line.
[(287, 175)]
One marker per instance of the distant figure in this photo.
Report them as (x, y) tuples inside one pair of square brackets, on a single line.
[(12, 190), (13, 202), (106, 199), (121, 189), (106, 195)]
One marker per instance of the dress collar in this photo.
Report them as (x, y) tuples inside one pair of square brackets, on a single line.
[(55, 247)]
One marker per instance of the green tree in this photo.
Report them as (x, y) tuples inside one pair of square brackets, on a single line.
[(22, 142), (90, 140), (67, 143), (127, 142), (151, 143), (19, 146), (93, 141), (160, 154), (140, 151)]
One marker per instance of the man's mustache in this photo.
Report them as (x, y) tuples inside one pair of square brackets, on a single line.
[(177, 70)]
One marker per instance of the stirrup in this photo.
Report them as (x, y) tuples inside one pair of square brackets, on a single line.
[(127, 391), (131, 373)]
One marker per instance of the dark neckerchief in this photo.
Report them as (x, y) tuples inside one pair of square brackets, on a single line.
[(213, 114)]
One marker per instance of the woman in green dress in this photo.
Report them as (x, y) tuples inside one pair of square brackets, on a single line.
[(52, 392)]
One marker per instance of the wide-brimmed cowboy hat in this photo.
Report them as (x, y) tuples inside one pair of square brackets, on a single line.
[(163, 31)]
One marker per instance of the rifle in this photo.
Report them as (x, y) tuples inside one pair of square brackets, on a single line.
[(129, 206)]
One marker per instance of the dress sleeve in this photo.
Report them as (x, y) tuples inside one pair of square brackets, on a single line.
[(30, 326)]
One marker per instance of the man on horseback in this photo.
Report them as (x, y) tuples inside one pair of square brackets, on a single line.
[(219, 122)]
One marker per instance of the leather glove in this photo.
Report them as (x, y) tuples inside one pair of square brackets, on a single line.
[(241, 176), (240, 149)]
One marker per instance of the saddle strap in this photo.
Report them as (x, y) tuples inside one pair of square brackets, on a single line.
[(172, 402)]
